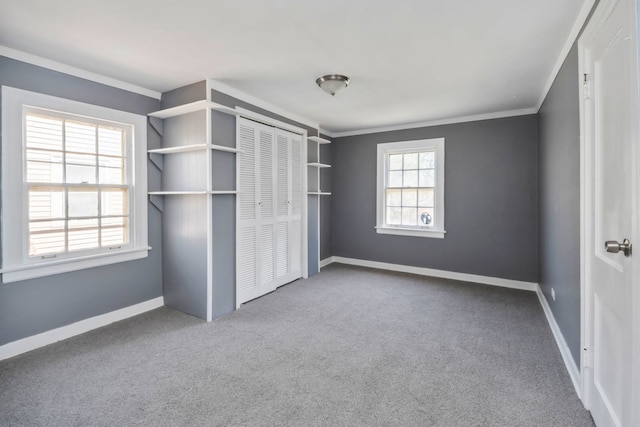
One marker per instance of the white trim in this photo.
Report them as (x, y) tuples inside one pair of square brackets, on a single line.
[(438, 122), (327, 261), (62, 333), (269, 121), (569, 363), (411, 232), (571, 38), (76, 72), (443, 274), (242, 96)]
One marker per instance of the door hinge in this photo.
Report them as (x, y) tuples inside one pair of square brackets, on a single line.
[(586, 93), (586, 358)]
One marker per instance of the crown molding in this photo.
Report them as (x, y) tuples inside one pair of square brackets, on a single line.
[(449, 121), (571, 38), (243, 96), (76, 72)]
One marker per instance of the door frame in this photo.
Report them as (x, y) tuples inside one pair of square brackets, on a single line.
[(600, 14), (269, 121)]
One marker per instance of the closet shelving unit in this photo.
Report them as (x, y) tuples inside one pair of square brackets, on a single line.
[(315, 193), (186, 198)]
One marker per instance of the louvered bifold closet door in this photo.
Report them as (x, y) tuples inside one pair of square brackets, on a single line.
[(247, 271), (266, 207), (295, 222), (284, 202)]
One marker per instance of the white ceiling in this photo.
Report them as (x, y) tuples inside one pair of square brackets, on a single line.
[(408, 60)]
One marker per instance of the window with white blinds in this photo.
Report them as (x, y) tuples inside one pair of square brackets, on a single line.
[(78, 189), (410, 198), (73, 185)]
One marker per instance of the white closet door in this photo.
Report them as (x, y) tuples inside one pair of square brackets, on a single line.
[(255, 240), (270, 209)]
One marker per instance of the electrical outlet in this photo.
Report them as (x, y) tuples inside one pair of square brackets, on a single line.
[(553, 294)]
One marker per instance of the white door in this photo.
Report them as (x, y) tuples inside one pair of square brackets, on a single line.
[(269, 243), (610, 126), (256, 223)]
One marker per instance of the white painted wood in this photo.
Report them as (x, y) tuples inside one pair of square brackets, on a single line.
[(179, 149), (465, 277), (191, 107), (318, 140), (569, 363), (609, 111), (319, 193), (319, 165), (270, 214), (40, 340)]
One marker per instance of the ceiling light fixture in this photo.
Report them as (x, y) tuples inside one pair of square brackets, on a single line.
[(332, 83)]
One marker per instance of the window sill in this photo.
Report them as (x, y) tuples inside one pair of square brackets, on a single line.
[(434, 234), (26, 272)]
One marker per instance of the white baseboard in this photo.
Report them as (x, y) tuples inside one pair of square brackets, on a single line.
[(40, 340), (572, 368), (326, 261), (474, 278)]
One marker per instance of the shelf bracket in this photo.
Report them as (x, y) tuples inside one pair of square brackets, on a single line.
[(157, 201), (157, 159), (156, 124)]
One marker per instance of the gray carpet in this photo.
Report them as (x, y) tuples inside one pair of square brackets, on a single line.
[(347, 347)]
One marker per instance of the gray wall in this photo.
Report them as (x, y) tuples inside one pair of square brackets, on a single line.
[(559, 121), (34, 306), (491, 200), (559, 172)]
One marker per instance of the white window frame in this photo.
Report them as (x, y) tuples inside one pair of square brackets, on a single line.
[(435, 230), (17, 265)]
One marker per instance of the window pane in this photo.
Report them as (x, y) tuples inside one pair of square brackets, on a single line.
[(114, 202), (427, 160), (115, 231), (83, 202), (411, 161), (83, 234), (394, 216), (46, 202), (426, 178), (46, 237), (395, 179), (395, 161), (424, 214), (81, 168), (394, 197), (46, 242), (410, 198), (80, 137), (43, 132), (425, 198), (409, 216), (44, 166), (111, 170), (110, 141), (410, 178)]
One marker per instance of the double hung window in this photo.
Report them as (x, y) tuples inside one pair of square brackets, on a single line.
[(410, 190), (73, 185)]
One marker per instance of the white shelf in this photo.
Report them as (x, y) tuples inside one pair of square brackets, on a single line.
[(191, 107), (318, 165), (318, 140), (224, 148), (319, 193), (192, 147), (179, 149), (174, 193)]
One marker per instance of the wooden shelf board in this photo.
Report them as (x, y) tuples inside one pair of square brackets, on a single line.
[(191, 107), (179, 149), (318, 165), (318, 140), (319, 193), (172, 193), (223, 148)]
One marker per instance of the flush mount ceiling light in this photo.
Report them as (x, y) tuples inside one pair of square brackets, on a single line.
[(332, 83)]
